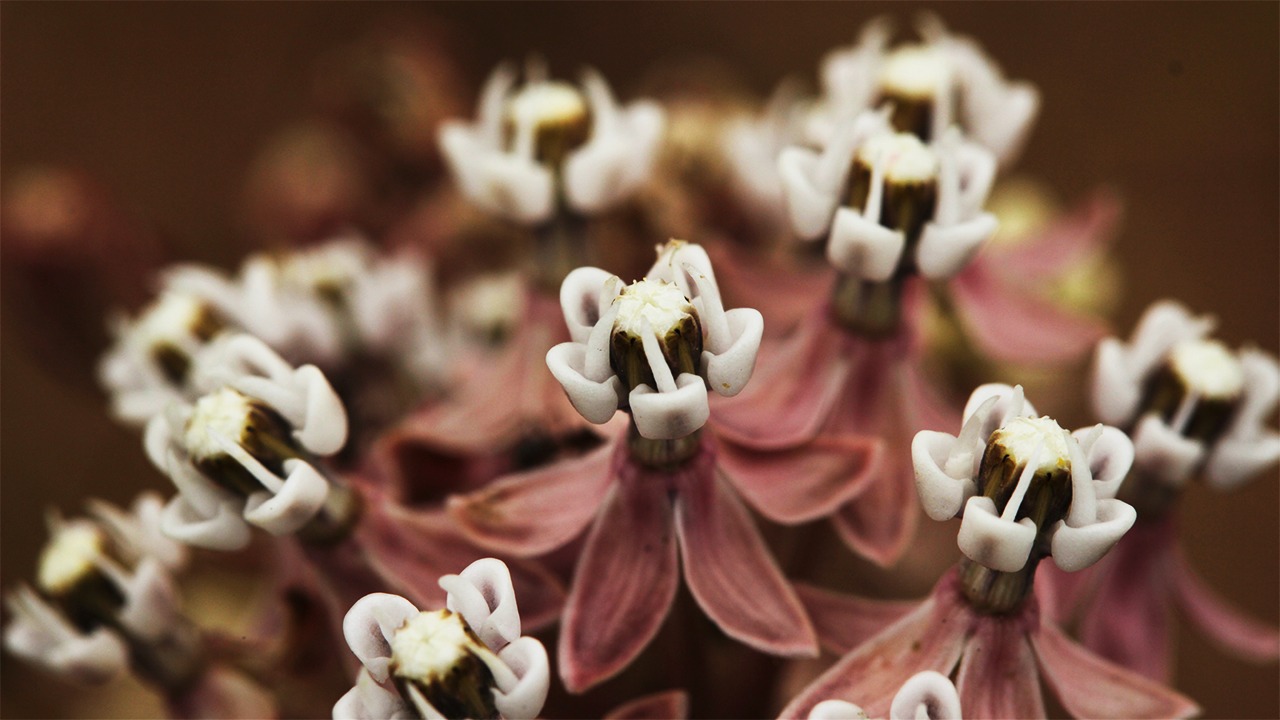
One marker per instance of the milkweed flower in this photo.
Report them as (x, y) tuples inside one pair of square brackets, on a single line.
[(660, 490), (340, 306), (1025, 489), (544, 142), (1196, 408), (944, 80), (468, 660), (889, 209), (927, 695), (106, 603), (243, 453)]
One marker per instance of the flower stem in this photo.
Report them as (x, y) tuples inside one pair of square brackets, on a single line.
[(868, 308), (993, 592), (662, 454)]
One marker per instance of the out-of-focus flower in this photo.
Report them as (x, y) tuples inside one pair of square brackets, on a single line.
[(548, 144), (945, 80), (367, 319), (662, 489), (1026, 489), (1196, 408), (1194, 405), (106, 602), (925, 696), (885, 202), (468, 660), (243, 453)]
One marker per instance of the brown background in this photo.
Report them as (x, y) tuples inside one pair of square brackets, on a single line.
[(1175, 105)]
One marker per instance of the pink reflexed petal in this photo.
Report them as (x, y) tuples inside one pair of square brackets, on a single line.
[(534, 512), (796, 383), (624, 583), (804, 483), (844, 622), (1068, 240), (1127, 620), (1090, 687), (998, 676), (413, 549), (930, 638), (223, 693), (668, 705), (730, 572), (1222, 623), (783, 295), (880, 522), (1014, 325)]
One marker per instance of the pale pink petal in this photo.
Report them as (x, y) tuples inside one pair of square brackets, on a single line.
[(1128, 618), (1090, 687), (1012, 324), (880, 522), (843, 622), (784, 296), (624, 583), (534, 512), (223, 693), (998, 676), (803, 483), (730, 571), (1222, 623), (796, 383), (413, 549), (930, 638), (1070, 239), (668, 705)]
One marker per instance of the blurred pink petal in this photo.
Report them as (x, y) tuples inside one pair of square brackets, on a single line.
[(784, 295), (1225, 625), (1011, 324), (223, 693), (668, 705), (501, 398), (844, 622), (1089, 686), (998, 676), (1129, 621), (932, 637), (731, 573), (624, 583), (412, 549), (535, 512), (1068, 240), (804, 483)]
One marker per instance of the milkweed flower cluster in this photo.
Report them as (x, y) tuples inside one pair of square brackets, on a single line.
[(468, 380)]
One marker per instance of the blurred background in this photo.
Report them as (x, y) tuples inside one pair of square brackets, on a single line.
[(1176, 106)]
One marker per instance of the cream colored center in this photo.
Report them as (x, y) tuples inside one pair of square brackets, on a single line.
[(170, 319), (429, 645), (70, 555), (222, 413), (1207, 367), (918, 71), (333, 266), (656, 302), (546, 103), (1022, 436), (901, 155)]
